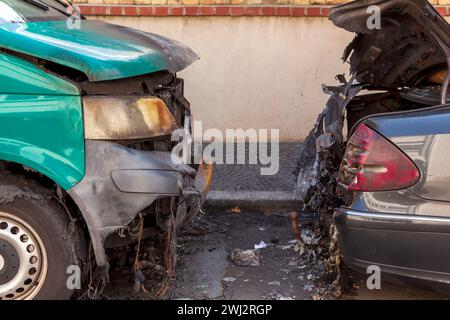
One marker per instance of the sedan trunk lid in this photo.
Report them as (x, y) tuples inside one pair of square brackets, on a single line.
[(407, 44)]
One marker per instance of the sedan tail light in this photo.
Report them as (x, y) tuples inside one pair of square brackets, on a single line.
[(372, 163)]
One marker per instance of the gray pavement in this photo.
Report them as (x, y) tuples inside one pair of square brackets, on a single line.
[(205, 270), (244, 186), (238, 177)]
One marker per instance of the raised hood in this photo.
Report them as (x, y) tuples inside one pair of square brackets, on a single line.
[(408, 48), (100, 50)]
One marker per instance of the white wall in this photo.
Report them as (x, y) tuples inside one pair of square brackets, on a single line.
[(258, 72)]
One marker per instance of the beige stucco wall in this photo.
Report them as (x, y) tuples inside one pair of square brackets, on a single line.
[(262, 72)]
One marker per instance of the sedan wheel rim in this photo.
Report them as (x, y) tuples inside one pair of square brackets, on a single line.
[(23, 259)]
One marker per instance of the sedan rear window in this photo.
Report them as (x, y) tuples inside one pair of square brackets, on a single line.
[(18, 11)]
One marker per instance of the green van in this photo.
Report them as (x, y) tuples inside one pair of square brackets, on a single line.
[(87, 111)]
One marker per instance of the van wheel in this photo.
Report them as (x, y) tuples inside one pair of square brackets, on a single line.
[(36, 247)]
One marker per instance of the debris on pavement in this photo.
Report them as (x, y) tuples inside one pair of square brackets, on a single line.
[(236, 210), (275, 240), (246, 258), (261, 245), (204, 274), (293, 216), (309, 237), (278, 296)]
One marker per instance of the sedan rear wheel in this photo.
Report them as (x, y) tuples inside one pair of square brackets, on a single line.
[(23, 259)]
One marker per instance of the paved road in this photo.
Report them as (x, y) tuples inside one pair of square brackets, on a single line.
[(205, 271)]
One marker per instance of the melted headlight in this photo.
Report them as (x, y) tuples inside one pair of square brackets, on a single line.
[(126, 118)]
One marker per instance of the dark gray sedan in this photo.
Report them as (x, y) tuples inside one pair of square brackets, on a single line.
[(379, 156)]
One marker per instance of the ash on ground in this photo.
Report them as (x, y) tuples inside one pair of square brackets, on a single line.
[(206, 269)]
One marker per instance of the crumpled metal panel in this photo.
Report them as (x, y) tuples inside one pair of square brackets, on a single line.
[(101, 50), (319, 162), (107, 209)]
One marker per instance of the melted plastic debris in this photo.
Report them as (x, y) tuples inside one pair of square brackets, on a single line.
[(246, 258), (317, 187)]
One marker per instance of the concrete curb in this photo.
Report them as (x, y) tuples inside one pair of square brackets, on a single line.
[(252, 200)]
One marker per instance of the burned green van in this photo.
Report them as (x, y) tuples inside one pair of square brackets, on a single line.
[(87, 111)]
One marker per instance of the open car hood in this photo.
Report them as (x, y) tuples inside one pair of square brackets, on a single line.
[(100, 50), (407, 49)]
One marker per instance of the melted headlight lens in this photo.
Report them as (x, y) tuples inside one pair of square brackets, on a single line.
[(126, 118)]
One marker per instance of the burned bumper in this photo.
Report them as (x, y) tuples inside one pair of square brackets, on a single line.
[(121, 182)]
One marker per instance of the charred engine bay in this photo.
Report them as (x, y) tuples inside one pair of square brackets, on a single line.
[(319, 164)]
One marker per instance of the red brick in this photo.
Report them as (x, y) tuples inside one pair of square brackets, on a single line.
[(218, 10), (325, 11), (86, 10), (268, 11), (298, 12), (283, 11), (237, 11), (177, 11), (97, 10), (442, 10), (313, 11), (130, 11), (222, 11), (82, 9), (161, 11), (253, 11), (116, 11), (146, 11), (206, 11), (191, 11)]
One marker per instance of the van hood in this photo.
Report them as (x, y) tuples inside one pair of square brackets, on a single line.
[(100, 50), (408, 47)]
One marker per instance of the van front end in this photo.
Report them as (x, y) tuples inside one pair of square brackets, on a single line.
[(130, 169), (87, 117)]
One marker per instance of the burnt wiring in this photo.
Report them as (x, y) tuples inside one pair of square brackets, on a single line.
[(169, 257), (139, 278), (97, 280)]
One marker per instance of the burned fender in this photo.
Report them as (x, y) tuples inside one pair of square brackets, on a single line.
[(121, 182)]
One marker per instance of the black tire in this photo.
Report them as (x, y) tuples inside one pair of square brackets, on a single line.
[(38, 207)]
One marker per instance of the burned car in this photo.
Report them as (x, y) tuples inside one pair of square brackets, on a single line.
[(86, 119), (375, 167)]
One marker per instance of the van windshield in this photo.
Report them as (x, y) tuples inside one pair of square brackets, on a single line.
[(16, 11)]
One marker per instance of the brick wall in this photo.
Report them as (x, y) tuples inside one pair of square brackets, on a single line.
[(236, 2), (295, 8), (211, 2)]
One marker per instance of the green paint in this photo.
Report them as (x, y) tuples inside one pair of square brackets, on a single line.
[(22, 77), (41, 119), (101, 50), (41, 122)]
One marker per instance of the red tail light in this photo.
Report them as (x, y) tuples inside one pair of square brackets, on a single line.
[(372, 163)]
